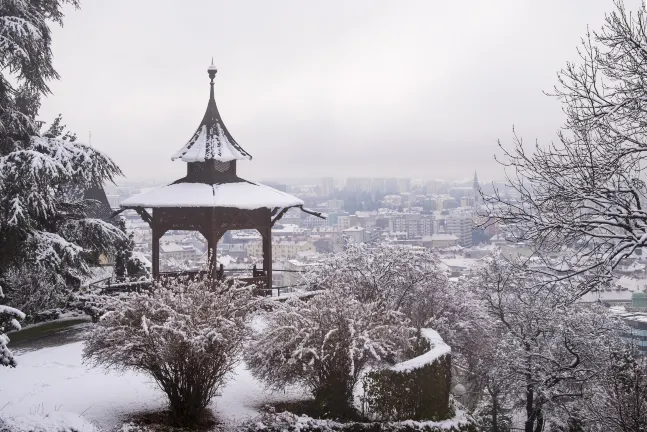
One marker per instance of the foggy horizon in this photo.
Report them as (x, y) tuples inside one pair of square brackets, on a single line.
[(362, 89)]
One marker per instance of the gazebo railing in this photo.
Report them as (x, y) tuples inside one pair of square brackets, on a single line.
[(248, 276)]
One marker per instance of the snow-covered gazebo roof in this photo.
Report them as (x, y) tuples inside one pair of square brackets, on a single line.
[(242, 195), (212, 140)]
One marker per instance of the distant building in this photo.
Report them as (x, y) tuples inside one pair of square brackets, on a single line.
[(327, 186), (334, 205), (404, 185), (637, 323), (355, 184), (356, 233), (460, 225), (440, 241), (391, 186), (467, 201), (281, 250), (313, 221), (343, 222), (414, 224), (178, 252)]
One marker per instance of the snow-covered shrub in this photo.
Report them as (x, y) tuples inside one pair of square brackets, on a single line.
[(271, 421), (187, 335), (417, 389), (402, 278), (9, 318), (37, 292), (325, 343), (56, 421)]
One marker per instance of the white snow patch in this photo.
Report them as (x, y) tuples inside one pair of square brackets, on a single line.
[(56, 379), (55, 421), (439, 349)]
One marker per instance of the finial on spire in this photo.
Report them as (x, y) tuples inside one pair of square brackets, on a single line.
[(212, 70)]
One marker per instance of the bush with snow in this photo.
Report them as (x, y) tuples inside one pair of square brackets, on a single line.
[(9, 318), (187, 335), (402, 278), (325, 343), (56, 421)]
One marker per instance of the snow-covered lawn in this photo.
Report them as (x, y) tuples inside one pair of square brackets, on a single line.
[(55, 379)]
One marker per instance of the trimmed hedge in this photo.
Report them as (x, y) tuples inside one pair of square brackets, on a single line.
[(288, 422), (417, 393)]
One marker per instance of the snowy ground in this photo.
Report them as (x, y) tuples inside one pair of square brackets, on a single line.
[(54, 379)]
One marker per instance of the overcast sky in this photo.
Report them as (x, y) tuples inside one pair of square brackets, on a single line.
[(318, 88)]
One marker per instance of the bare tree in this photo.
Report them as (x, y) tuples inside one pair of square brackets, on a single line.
[(547, 350), (618, 399), (586, 191)]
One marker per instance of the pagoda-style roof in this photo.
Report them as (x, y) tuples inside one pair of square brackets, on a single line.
[(244, 195), (212, 140)]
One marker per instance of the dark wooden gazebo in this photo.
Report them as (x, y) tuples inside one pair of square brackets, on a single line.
[(211, 198)]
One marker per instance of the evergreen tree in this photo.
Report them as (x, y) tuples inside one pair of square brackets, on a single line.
[(44, 224), (43, 219)]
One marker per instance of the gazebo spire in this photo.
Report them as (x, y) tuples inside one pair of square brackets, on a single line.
[(211, 141)]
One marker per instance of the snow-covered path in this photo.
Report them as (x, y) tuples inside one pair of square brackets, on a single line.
[(54, 378)]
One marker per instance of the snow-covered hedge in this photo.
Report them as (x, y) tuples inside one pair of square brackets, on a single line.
[(56, 421), (417, 389), (288, 422)]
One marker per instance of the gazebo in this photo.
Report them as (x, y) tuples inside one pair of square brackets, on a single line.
[(211, 198)]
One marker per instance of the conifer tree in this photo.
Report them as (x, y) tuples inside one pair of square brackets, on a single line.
[(43, 173)]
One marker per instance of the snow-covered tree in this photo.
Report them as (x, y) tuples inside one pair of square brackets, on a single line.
[(37, 292), (325, 343), (587, 190), (9, 318), (617, 400), (400, 278), (548, 350), (187, 336), (44, 219)]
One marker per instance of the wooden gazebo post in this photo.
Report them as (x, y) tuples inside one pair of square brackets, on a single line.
[(267, 255)]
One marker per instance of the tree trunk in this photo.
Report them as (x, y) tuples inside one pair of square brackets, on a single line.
[(495, 414), (530, 414)]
